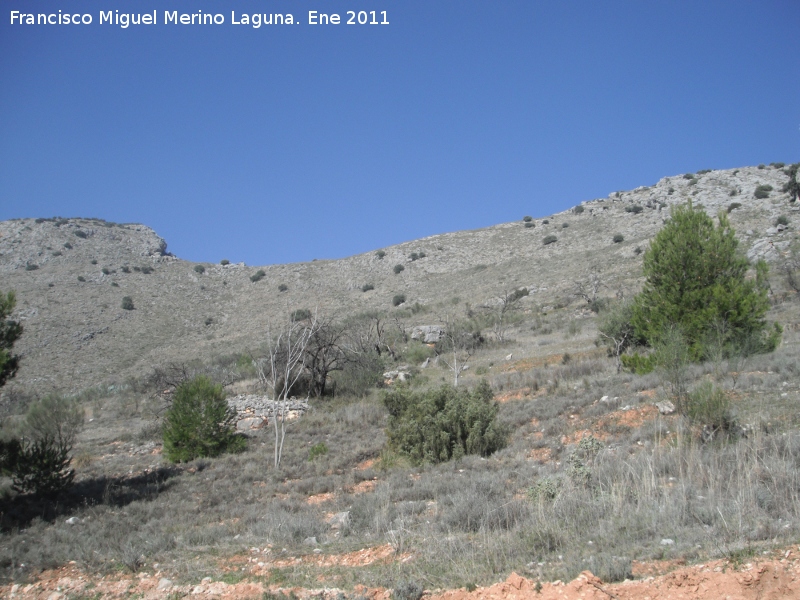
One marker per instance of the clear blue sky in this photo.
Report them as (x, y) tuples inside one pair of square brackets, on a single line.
[(287, 143)]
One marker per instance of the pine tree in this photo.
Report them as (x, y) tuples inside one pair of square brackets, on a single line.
[(9, 333), (200, 422), (696, 282)]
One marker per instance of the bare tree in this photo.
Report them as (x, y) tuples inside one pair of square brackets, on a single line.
[(325, 353), (501, 310), (458, 344), (281, 369), (616, 330), (588, 289)]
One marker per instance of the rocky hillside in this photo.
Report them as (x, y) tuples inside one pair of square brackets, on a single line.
[(71, 275)]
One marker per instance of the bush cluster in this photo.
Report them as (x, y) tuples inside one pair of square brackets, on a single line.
[(398, 299), (444, 423), (258, 276), (549, 240), (762, 191), (398, 268)]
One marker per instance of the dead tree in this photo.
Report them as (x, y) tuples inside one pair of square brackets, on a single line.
[(458, 344), (589, 288), (281, 369), (501, 310)]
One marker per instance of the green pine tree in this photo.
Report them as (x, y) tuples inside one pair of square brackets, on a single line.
[(200, 422), (9, 333), (696, 281)]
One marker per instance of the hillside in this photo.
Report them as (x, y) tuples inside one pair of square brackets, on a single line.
[(70, 276)]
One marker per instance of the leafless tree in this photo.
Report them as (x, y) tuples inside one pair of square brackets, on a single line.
[(588, 289), (281, 369), (501, 310), (326, 352), (458, 344)]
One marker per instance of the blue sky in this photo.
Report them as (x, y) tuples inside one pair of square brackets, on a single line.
[(288, 143)]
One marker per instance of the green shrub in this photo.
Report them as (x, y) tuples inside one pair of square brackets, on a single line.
[(703, 171), (398, 299), (638, 250), (301, 314), (199, 269), (224, 262), (380, 254), (732, 193), (618, 238), (733, 206), (146, 270), (693, 181), (546, 222), (317, 450), (641, 364), (10, 331), (398, 269), (564, 225), (635, 209), (688, 176), (126, 269), (408, 590), (93, 261), (709, 406), (127, 303), (777, 165), (792, 187), (113, 284), (105, 271), (80, 234), (367, 287), (283, 287), (31, 267), (530, 225), (762, 191), (761, 167), (578, 209), (67, 245), (527, 219), (258, 276), (81, 278), (200, 422), (441, 424), (550, 239), (413, 256), (782, 220)]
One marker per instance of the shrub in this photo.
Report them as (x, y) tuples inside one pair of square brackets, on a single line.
[(695, 280), (317, 450), (200, 269), (688, 176), (635, 209), (545, 221), (777, 165), (442, 424), (126, 269), (146, 270), (792, 187), (31, 267), (782, 220), (564, 225), (200, 423), (619, 238), (549, 240), (733, 206), (398, 299), (67, 245), (527, 219), (224, 262), (258, 276), (105, 271), (10, 331), (93, 261), (398, 269), (693, 181), (762, 191), (301, 314), (670, 191), (80, 234), (367, 287), (761, 167), (57, 253), (413, 256), (530, 224), (127, 303), (709, 407), (407, 590), (638, 250), (578, 209), (81, 278), (283, 287), (113, 284), (703, 171), (380, 254)]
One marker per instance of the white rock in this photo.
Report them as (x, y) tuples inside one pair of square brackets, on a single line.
[(164, 584), (667, 542), (73, 521)]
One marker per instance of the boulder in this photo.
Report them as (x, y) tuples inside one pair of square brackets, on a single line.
[(429, 334), (665, 407), (250, 423)]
